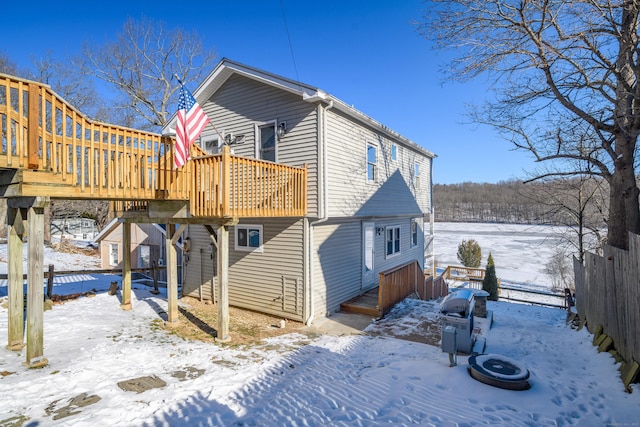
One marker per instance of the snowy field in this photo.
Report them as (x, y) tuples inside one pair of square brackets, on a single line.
[(300, 380), (520, 252)]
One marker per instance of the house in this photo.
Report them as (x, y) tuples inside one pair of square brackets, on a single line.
[(368, 191), (147, 245)]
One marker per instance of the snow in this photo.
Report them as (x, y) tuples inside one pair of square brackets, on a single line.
[(300, 380)]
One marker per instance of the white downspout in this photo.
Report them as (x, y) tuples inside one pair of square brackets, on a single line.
[(322, 179)]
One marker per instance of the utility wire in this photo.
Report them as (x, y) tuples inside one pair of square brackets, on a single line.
[(286, 27)]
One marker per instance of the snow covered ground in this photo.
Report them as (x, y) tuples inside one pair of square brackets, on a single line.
[(301, 380)]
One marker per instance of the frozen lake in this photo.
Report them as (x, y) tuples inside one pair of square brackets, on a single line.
[(521, 252)]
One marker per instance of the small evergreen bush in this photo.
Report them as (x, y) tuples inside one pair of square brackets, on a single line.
[(469, 253), (490, 281)]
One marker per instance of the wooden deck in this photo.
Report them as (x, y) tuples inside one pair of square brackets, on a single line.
[(367, 303), (50, 149)]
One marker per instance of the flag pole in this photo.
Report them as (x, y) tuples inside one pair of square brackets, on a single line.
[(210, 122)]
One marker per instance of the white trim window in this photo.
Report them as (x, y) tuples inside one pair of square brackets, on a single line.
[(210, 145), (113, 254), (416, 175), (394, 152), (144, 256), (415, 229), (372, 162), (393, 241), (266, 142), (248, 238)]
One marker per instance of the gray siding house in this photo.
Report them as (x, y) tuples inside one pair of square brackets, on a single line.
[(369, 189)]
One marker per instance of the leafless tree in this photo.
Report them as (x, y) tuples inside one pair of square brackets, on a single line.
[(140, 65), (566, 76)]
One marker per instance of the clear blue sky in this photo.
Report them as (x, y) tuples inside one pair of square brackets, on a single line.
[(365, 52)]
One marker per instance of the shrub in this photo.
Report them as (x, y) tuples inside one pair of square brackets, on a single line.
[(469, 253), (490, 281)]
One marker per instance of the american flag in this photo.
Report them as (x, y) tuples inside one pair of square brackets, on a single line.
[(191, 121)]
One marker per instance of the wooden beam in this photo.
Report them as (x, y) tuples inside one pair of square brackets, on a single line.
[(32, 131), (172, 272), (126, 266), (223, 284), (35, 285), (16, 229), (172, 237)]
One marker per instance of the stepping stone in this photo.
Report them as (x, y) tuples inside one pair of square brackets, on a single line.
[(73, 407), (142, 384), (188, 373)]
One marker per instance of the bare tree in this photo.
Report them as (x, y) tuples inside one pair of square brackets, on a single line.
[(140, 64), (566, 79)]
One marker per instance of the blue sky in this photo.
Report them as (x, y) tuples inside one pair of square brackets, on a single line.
[(365, 52)]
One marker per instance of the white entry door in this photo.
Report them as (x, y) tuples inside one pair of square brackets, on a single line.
[(368, 254)]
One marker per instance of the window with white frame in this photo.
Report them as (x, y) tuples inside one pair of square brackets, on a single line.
[(393, 241), (266, 142), (210, 145), (394, 152), (415, 229), (416, 175), (113, 254), (249, 238), (144, 256), (372, 162)]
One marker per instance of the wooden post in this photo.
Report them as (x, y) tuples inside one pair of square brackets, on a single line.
[(50, 281), (172, 274), (126, 266), (172, 237), (33, 161), (35, 285), (223, 284), (225, 180), (15, 222), (154, 272)]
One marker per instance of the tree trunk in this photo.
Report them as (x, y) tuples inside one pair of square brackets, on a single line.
[(624, 208)]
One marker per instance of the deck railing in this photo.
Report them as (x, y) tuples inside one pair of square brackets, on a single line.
[(463, 273), (41, 131), (89, 159), (225, 185)]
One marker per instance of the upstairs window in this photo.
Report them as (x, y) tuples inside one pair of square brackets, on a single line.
[(210, 146), (393, 241), (249, 238), (267, 142), (394, 152), (414, 232), (416, 175), (372, 162)]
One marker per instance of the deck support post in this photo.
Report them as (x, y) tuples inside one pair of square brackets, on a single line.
[(16, 230), (126, 266), (223, 283), (35, 284), (172, 237)]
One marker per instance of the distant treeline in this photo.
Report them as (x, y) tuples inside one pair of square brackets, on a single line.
[(504, 202)]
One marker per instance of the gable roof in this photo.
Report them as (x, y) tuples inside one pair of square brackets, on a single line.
[(226, 68)]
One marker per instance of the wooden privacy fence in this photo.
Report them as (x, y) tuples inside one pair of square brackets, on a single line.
[(399, 282), (608, 294)]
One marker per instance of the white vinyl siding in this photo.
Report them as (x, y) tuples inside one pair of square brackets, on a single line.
[(242, 104), (394, 191), (337, 265)]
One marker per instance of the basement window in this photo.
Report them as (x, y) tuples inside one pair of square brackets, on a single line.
[(249, 238)]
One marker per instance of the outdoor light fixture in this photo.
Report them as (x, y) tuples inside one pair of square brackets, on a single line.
[(379, 230), (282, 129)]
